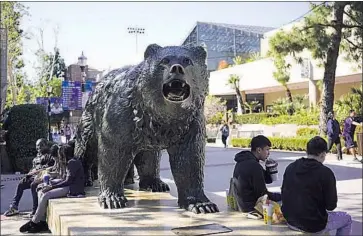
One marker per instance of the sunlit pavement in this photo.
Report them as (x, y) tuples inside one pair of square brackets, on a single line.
[(218, 170)]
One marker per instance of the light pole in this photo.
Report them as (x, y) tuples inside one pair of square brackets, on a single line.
[(49, 91), (82, 62), (136, 31)]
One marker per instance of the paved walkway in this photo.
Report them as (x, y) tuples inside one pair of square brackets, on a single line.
[(220, 160)]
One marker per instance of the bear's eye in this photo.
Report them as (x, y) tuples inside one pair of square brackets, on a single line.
[(165, 61), (187, 61)]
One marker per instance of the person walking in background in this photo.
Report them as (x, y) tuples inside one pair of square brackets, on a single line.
[(350, 124), (68, 133), (225, 133), (334, 134), (309, 194)]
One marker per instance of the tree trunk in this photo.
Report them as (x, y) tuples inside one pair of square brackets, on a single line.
[(290, 111), (12, 82), (327, 101), (240, 100)]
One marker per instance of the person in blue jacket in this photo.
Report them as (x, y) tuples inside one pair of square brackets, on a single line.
[(334, 134)]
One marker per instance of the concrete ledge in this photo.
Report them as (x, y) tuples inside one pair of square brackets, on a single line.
[(147, 214)]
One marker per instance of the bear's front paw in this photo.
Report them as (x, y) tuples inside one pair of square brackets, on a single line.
[(110, 200), (155, 185), (202, 205)]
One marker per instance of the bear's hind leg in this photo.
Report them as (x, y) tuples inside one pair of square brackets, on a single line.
[(148, 168)]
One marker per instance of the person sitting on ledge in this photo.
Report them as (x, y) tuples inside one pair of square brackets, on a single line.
[(309, 194), (250, 175), (39, 178), (42, 161), (72, 185)]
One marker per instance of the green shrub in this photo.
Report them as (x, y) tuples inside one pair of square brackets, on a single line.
[(254, 118), (298, 119), (26, 124), (307, 132), (282, 143), (216, 119)]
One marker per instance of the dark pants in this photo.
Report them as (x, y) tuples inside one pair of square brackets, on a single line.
[(33, 188), (224, 140), (23, 184), (338, 144)]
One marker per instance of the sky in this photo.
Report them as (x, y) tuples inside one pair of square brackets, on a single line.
[(100, 28)]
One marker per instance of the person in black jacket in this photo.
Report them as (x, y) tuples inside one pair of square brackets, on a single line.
[(250, 175), (309, 194), (334, 133), (42, 161)]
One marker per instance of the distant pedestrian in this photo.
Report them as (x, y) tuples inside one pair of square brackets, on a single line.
[(225, 133), (350, 124), (68, 133), (334, 134)]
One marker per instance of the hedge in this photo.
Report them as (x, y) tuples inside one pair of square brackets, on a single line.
[(281, 143), (25, 124), (273, 119), (254, 118), (307, 132)]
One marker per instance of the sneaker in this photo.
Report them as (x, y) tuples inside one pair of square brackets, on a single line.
[(27, 226), (42, 226), (11, 212)]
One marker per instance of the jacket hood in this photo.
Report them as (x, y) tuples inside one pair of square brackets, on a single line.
[(306, 165), (244, 156)]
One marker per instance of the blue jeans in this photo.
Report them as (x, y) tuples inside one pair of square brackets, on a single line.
[(337, 220)]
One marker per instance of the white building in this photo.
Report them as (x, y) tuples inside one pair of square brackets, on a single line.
[(257, 81)]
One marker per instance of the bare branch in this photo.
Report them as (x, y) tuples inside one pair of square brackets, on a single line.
[(353, 44), (352, 17)]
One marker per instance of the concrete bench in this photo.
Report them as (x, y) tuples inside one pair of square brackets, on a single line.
[(147, 214)]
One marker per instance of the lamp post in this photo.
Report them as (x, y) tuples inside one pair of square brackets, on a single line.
[(49, 91), (136, 31), (82, 62)]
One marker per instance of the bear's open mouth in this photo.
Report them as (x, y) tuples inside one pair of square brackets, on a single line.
[(176, 90)]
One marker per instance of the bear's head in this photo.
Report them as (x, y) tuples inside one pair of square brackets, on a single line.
[(175, 79)]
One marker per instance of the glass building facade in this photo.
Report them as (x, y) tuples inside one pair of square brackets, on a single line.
[(225, 41)]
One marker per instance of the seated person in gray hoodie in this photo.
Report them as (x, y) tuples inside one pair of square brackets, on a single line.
[(250, 175)]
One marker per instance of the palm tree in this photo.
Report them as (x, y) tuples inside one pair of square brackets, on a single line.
[(253, 57), (238, 60), (282, 76), (234, 82), (252, 105)]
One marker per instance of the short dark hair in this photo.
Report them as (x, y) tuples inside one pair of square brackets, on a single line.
[(316, 146), (260, 141), (350, 111), (66, 151), (54, 150)]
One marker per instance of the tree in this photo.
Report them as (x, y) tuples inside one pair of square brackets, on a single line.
[(213, 106), (50, 68), (351, 101), (234, 82), (11, 16), (253, 105), (321, 33), (238, 60)]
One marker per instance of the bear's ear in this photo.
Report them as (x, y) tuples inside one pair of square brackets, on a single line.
[(199, 52), (151, 50)]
